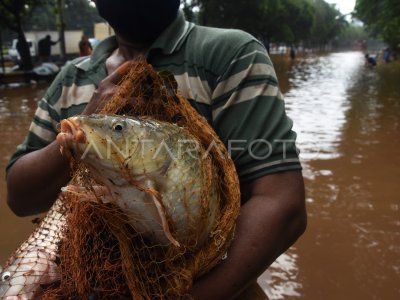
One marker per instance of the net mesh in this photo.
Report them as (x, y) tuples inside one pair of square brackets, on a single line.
[(101, 255)]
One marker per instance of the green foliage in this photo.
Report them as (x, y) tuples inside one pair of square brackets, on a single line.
[(328, 23), (382, 18), (353, 32), (297, 17), (239, 14), (12, 12), (289, 21), (77, 15), (352, 37)]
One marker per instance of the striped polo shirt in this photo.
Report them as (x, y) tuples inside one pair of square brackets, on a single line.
[(226, 75)]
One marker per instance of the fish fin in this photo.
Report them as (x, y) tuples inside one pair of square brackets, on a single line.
[(157, 177), (156, 197), (97, 192), (164, 222)]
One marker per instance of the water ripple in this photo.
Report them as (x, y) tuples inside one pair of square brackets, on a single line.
[(318, 102)]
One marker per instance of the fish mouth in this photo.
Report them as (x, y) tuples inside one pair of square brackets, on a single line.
[(73, 128)]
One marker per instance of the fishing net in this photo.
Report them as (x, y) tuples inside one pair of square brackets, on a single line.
[(101, 255)]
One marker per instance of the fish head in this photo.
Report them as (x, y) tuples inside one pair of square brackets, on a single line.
[(12, 283), (113, 144), (25, 276)]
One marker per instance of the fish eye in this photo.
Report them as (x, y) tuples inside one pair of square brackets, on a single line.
[(5, 276), (118, 126)]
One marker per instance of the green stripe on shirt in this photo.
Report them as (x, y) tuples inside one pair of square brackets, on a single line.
[(226, 75)]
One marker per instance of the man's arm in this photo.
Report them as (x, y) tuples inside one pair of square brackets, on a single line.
[(35, 179), (269, 223)]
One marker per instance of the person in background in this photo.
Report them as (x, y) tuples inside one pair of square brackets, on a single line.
[(370, 61), (386, 55), (228, 77), (292, 52), (85, 48), (44, 48), (19, 50)]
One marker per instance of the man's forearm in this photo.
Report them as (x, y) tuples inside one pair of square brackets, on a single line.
[(265, 228), (34, 181)]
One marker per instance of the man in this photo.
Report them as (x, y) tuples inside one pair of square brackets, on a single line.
[(229, 79), (44, 48)]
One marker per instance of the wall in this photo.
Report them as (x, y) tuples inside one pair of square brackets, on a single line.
[(72, 38)]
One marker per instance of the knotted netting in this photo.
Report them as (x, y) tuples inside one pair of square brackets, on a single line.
[(101, 255)]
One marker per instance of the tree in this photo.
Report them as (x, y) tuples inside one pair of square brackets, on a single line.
[(270, 21), (328, 23), (12, 13), (77, 15), (64, 15), (59, 11), (289, 21), (279, 20), (352, 36), (240, 14), (299, 17), (382, 18)]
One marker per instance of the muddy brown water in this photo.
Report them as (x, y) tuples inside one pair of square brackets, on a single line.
[(348, 122)]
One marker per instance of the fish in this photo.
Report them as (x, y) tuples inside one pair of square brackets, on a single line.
[(153, 171), (34, 265)]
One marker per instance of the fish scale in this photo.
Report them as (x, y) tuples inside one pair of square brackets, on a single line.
[(34, 263), (163, 197), (160, 184)]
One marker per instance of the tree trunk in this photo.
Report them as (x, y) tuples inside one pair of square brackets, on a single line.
[(61, 29), (1, 54), (266, 42)]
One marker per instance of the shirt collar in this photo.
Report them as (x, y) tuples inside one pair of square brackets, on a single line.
[(173, 36), (94, 66), (169, 41)]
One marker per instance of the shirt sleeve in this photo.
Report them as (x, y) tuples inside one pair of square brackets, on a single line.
[(67, 96), (43, 128), (248, 113)]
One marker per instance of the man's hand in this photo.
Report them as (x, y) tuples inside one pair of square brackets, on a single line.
[(69, 138), (106, 90), (269, 223), (35, 179)]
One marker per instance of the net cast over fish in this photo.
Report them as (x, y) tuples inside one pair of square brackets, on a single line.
[(153, 171), (156, 183), (35, 263), (148, 210)]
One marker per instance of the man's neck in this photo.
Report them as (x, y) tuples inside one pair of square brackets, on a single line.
[(126, 51), (130, 50)]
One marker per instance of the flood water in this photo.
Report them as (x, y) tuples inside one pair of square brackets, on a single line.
[(348, 122)]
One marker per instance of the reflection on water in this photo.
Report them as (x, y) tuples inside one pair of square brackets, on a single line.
[(348, 123), (318, 102), (280, 281), (347, 118), (17, 106)]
